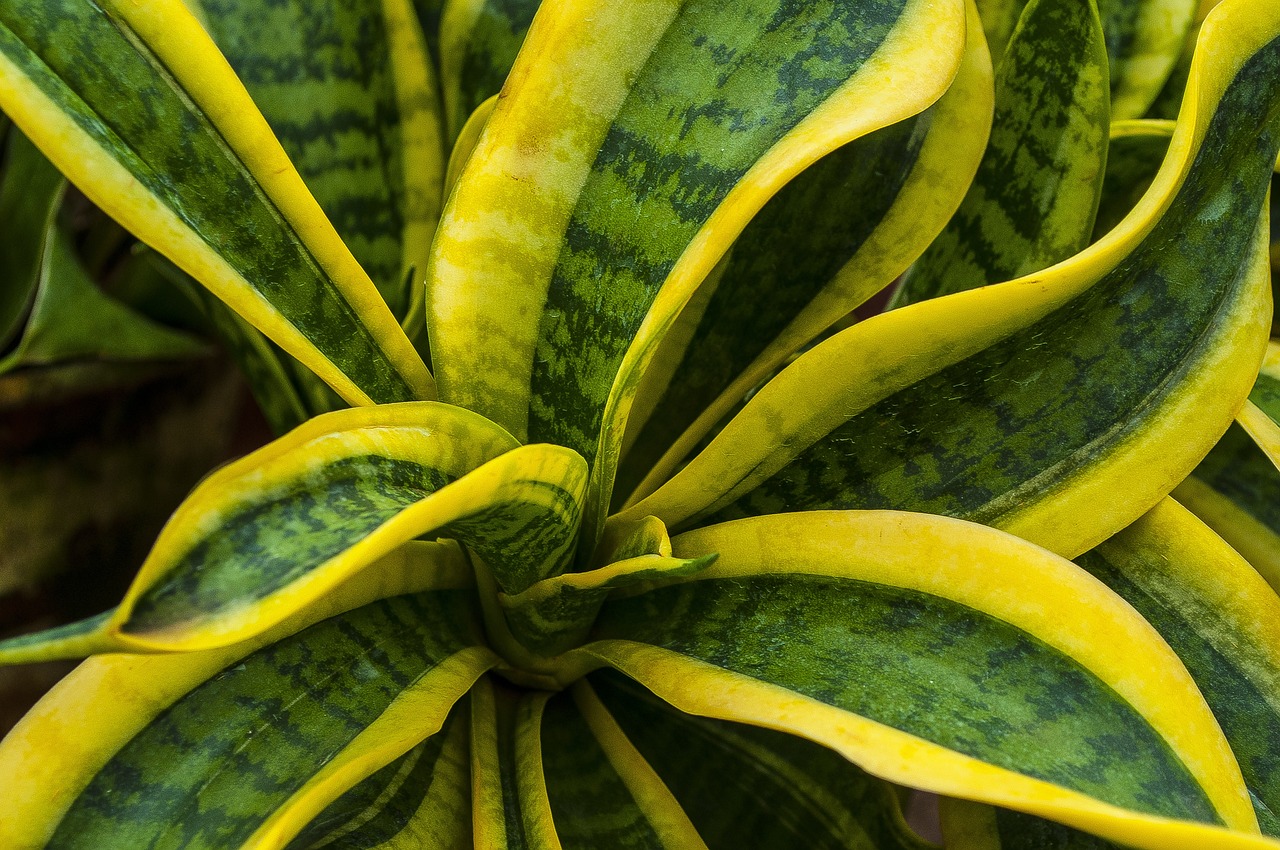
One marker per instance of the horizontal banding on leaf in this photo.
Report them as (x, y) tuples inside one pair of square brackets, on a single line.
[(1031, 403), (990, 587), (126, 693), (842, 230)]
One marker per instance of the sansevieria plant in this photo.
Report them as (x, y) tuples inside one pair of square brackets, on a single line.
[(666, 549)]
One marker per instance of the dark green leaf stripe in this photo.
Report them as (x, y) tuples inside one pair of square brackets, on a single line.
[(272, 543), (322, 76), (789, 252), (119, 100), (526, 540), (722, 774), (591, 805), (388, 805), (1132, 162), (723, 85), (479, 43), (927, 666), (1266, 394), (1143, 43), (1033, 201), (429, 12), (212, 767), (1218, 657), (980, 439), (30, 191)]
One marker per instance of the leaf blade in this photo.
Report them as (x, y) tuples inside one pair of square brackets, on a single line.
[(232, 169)]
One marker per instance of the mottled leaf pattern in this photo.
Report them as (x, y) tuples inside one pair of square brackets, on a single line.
[(282, 266), (1033, 201), (1032, 406)]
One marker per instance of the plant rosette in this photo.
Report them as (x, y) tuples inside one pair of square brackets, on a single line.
[(648, 558)]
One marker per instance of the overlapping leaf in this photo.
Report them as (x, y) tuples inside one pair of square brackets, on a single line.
[(1060, 406), (1144, 40), (479, 40), (998, 672), (1220, 617), (229, 737), (1036, 193), (748, 787), (273, 532), (632, 146), (159, 133), (838, 233)]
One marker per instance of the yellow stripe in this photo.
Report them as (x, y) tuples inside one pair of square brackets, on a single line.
[(946, 164), (1259, 545), (466, 142), (52, 755), (531, 779), (1239, 612), (660, 807), (488, 808), (178, 40), (1262, 428), (422, 158), (412, 717), (702, 689), (1006, 578)]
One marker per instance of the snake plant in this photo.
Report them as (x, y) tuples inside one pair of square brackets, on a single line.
[(664, 549)]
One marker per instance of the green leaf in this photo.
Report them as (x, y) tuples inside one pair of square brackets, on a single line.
[(137, 107), (1145, 39), (272, 532), (943, 655), (720, 772), (1059, 406), (479, 40), (1034, 199), (602, 791), (1221, 618), (30, 193), (229, 736), (511, 810), (556, 613), (621, 187), (348, 90), (71, 319), (842, 230), (420, 801)]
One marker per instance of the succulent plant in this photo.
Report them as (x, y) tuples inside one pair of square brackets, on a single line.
[(665, 549)]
